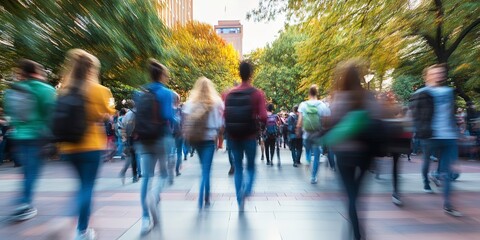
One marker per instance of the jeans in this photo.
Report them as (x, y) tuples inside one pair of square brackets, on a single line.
[(131, 159), (178, 149), (426, 149), (239, 148), (119, 146), (28, 153), (396, 158), (270, 148), (150, 153), (447, 150), (347, 163), (86, 165), (296, 148), (310, 146), (205, 151)]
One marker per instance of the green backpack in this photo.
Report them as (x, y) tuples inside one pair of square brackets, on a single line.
[(311, 118)]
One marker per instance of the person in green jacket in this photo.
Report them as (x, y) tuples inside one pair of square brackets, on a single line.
[(28, 104)]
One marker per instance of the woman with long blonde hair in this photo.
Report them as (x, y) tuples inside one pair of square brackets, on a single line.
[(81, 74), (203, 120)]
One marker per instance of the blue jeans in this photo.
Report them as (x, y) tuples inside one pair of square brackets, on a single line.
[(229, 152), (239, 148), (119, 146), (86, 165), (28, 153), (150, 153), (447, 150), (205, 151), (310, 146)]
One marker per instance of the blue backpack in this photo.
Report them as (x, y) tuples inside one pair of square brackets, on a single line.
[(271, 128)]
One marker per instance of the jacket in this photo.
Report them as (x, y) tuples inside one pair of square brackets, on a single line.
[(422, 107)]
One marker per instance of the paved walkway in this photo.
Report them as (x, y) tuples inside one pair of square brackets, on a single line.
[(284, 205)]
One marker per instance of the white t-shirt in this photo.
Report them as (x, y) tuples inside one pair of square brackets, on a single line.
[(215, 118), (323, 110)]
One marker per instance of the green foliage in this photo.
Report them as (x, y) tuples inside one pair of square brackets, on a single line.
[(402, 35), (277, 71), (404, 86)]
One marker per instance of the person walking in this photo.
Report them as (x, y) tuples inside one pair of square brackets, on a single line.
[(433, 111), (244, 110), (295, 142), (128, 123), (354, 155), (28, 104), (312, 114), (203, 121), (271, 134), (81, 77), (154, 113)]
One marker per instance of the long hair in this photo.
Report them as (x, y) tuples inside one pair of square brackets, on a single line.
[(349, 77), (80, 69), (204, 92)]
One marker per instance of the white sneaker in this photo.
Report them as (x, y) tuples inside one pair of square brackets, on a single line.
[(89, 234), (152, 204), (146, 226)]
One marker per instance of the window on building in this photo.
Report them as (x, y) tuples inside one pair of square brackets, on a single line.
[(228, 30)]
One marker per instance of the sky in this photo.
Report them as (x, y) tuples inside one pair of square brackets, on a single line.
[(255, 34)]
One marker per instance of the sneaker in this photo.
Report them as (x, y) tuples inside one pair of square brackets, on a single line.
[(433, 158), (153, 209), (295, 165), (231, 171), (134, 179), (88, 234), (178, 174), (262, 158), (314, 180), (396, 200), (146, 226), (435, 180), (24, 213), (279, 164), (452, 212), (427, 189)]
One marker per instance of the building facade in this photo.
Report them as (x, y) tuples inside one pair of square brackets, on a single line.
[(232, 32), (175, 11)]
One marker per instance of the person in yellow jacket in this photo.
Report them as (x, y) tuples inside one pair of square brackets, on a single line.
[(81, 71)]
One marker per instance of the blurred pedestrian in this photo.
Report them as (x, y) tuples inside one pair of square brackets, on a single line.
[(271, 134), (312, 113), (81, 76), (295, 142), (244, 111), (28, 104), (353, 154), (434, 119), (203, 121), (128, 123), (154, 112)]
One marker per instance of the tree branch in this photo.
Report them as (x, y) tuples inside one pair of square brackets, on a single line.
[(462, 35)]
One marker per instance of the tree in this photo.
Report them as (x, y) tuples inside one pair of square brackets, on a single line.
[(380, 30), (122, 34), (197, 50), (277, 71)]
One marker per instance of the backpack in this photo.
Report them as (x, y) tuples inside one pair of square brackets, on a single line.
[(195, 124), (148, 123), (22, 103), (292, 123), (239, 120), (109, 129), (311, 119), (69, 117), (177, 124), (271, 128)]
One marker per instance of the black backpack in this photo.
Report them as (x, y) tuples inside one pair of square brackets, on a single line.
[(69, 121), (148, 123), (239, 120)]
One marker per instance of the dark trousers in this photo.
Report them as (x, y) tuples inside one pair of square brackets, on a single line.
[(86, 165), (296, 148), (131, 159), (348, 163), (270, 148), (396, 157)]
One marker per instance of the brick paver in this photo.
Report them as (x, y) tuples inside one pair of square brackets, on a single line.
[(284, 205)]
